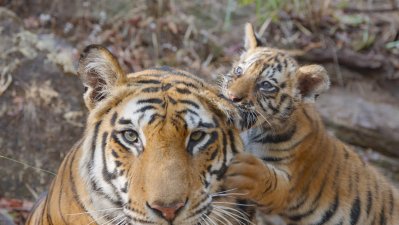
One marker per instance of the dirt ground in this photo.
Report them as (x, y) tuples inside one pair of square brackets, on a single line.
[(41, 109)]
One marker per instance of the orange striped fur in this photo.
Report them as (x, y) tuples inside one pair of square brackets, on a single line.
[(296, 169), (156, 146)]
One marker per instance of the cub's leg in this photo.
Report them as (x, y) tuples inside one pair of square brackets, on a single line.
[(262, 183)]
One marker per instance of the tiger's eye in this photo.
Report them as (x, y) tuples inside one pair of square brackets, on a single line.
[(131, 136), (238, 71), (197, 135)]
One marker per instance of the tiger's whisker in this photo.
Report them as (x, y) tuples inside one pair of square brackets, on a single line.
[(231, 215), (222, 217), (94, 221), (242, 215), (232, 203)]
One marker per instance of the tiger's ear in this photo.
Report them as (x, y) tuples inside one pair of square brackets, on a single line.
[(100, 72), (251, 40), (220, 105), (312, 81)]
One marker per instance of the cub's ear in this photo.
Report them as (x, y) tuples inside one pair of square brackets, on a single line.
[(100, 72), (251, 40), (312, 81)]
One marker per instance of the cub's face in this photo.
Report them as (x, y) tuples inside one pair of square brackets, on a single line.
[(267, 85), (157, 146), (262, 84)]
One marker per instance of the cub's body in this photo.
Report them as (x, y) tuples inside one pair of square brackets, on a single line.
[(296, 169)]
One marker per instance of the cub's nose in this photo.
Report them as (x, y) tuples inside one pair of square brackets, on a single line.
[(235, 98), (166, 211)]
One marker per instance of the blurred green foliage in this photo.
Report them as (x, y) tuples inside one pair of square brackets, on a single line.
[(268, 8)]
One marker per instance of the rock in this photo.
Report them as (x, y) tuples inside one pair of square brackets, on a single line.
[(41, 110), (369, 121)]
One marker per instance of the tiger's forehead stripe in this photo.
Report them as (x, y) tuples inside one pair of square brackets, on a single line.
[(187, 113), (151, 81)]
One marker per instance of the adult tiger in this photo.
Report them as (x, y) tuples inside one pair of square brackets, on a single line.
[(154, 151), (300, 172)]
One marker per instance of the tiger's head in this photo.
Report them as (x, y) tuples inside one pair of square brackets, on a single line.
[(267, 84), (156, 146)]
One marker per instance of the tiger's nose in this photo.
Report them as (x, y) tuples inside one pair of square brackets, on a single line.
[(167, 211), (235, 98)]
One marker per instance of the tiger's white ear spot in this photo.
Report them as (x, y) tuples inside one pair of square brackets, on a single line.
[(251, 40), (312, 81), (99, 71)]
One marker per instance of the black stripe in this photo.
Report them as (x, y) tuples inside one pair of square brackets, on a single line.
[(61, 189), (270, 106), (214, 136), (277, 138), (223, 168), (330, 211), (189, 102), (150, 89), (191, 85), (124, 189), (232, 141), (107, 175), (369, 202), (124, 121), (73, 185), (383, 220), (191, 145), (278, 67), (113, 119), (185, 111), (172, 100), (166, 87), (145, 108), (150, 101), (154, 117), (116, 139), (93, 141), (148, 82), (276, 159), (341, 222), (214, 154), (115, 154), (183, 90), (315, 202), (206, 125), (391, 202), (355, 211)]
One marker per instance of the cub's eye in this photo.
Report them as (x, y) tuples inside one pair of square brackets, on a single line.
[(238, 71), (197, 136), (130, 136), (266, 86)]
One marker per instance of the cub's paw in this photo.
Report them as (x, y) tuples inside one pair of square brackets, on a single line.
[(249, 176)]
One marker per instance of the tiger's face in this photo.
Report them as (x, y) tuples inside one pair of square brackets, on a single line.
[(156, 147), (267, 85)]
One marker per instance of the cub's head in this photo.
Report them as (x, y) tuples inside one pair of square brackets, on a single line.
[(268, 85), (156, 146)]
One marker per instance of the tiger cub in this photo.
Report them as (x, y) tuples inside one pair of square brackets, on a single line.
[(295, 168), (156, 146)]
